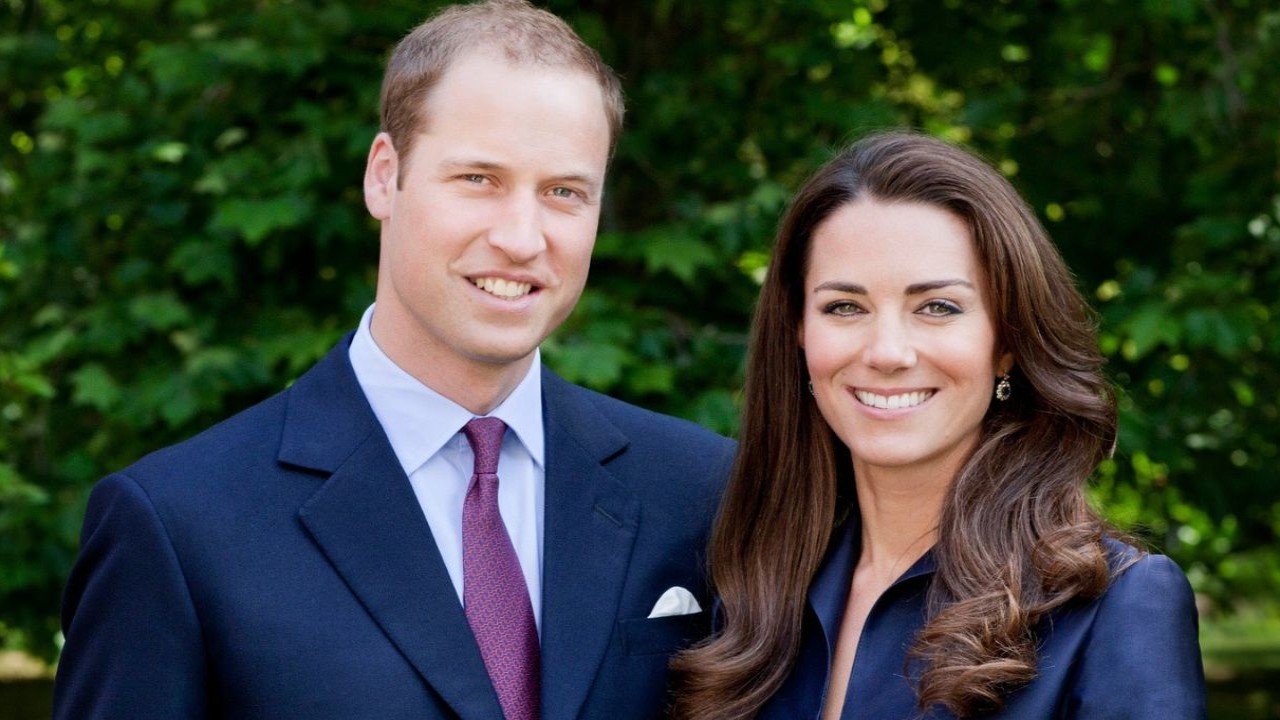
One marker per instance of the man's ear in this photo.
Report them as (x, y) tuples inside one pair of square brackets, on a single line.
[(381, 177)]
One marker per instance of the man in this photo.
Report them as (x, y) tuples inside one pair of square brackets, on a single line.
[(360, 546)]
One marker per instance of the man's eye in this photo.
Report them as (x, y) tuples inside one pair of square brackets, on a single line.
[(473, 178), (565, 193)]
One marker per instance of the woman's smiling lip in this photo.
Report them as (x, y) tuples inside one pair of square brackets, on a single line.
[(892, 398)]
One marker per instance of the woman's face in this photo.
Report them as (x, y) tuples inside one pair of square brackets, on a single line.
[(898, 339)]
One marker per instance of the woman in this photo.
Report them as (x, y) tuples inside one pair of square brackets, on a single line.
[(906, 532)]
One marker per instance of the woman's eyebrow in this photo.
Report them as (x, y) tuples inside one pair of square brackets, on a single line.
[(912, 289), (924, 287), (841, 286)]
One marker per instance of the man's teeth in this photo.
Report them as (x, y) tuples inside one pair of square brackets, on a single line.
[(892, 402), (503, 288)]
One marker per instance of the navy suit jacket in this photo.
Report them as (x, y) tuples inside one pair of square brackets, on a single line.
[(279, 566), (1132, 654)]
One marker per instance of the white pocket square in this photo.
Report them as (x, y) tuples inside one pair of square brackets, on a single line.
[(675, 601)]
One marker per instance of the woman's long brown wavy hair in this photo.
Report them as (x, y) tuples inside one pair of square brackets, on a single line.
[(1017, 537)]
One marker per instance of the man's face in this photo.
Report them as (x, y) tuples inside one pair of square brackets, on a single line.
[(487, 240)]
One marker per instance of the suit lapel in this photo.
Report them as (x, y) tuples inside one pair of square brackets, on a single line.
[(591, 521), (367, 521)]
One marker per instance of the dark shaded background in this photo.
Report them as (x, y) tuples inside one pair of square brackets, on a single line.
[(182, 230)]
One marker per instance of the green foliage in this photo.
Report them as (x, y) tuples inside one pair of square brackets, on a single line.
[(182, 230)]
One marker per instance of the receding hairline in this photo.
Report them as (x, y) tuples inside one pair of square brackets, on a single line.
[(566, 69), (513, 30)]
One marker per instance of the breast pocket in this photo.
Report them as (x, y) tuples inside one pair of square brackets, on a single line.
[(663, 635)]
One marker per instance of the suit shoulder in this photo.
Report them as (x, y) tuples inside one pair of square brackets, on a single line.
[(248, 438), (655, 428), (1145, 582), (1143, 634)]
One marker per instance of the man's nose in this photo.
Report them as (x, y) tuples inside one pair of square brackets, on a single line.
[(518, 231)]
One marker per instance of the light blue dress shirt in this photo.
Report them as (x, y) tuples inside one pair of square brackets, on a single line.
[(424, 428)]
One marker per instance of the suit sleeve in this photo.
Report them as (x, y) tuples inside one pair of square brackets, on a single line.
[(134, 647), (1143, 657)]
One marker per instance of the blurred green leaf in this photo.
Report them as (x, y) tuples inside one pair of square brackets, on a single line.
[(255, 219), (1148, 327), (94, 387), (159, 311), (592, 364)]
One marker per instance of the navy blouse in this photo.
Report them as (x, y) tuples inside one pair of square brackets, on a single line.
[(1132, 654)]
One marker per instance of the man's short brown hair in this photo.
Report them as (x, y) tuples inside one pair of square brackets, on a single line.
[(514, 29)]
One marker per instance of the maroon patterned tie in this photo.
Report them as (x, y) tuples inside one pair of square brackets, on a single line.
[(494, 594)]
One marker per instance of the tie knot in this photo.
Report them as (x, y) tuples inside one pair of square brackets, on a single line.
[(485, 436)]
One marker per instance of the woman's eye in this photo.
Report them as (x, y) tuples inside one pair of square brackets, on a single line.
[(939, 308), (842, 308)]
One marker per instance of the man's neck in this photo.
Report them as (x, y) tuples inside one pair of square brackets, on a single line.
[(475, 385)]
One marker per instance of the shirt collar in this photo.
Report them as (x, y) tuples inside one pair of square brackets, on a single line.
[(829, 590), (419, 421)]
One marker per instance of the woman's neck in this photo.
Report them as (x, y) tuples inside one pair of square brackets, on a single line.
[(900, 508)]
